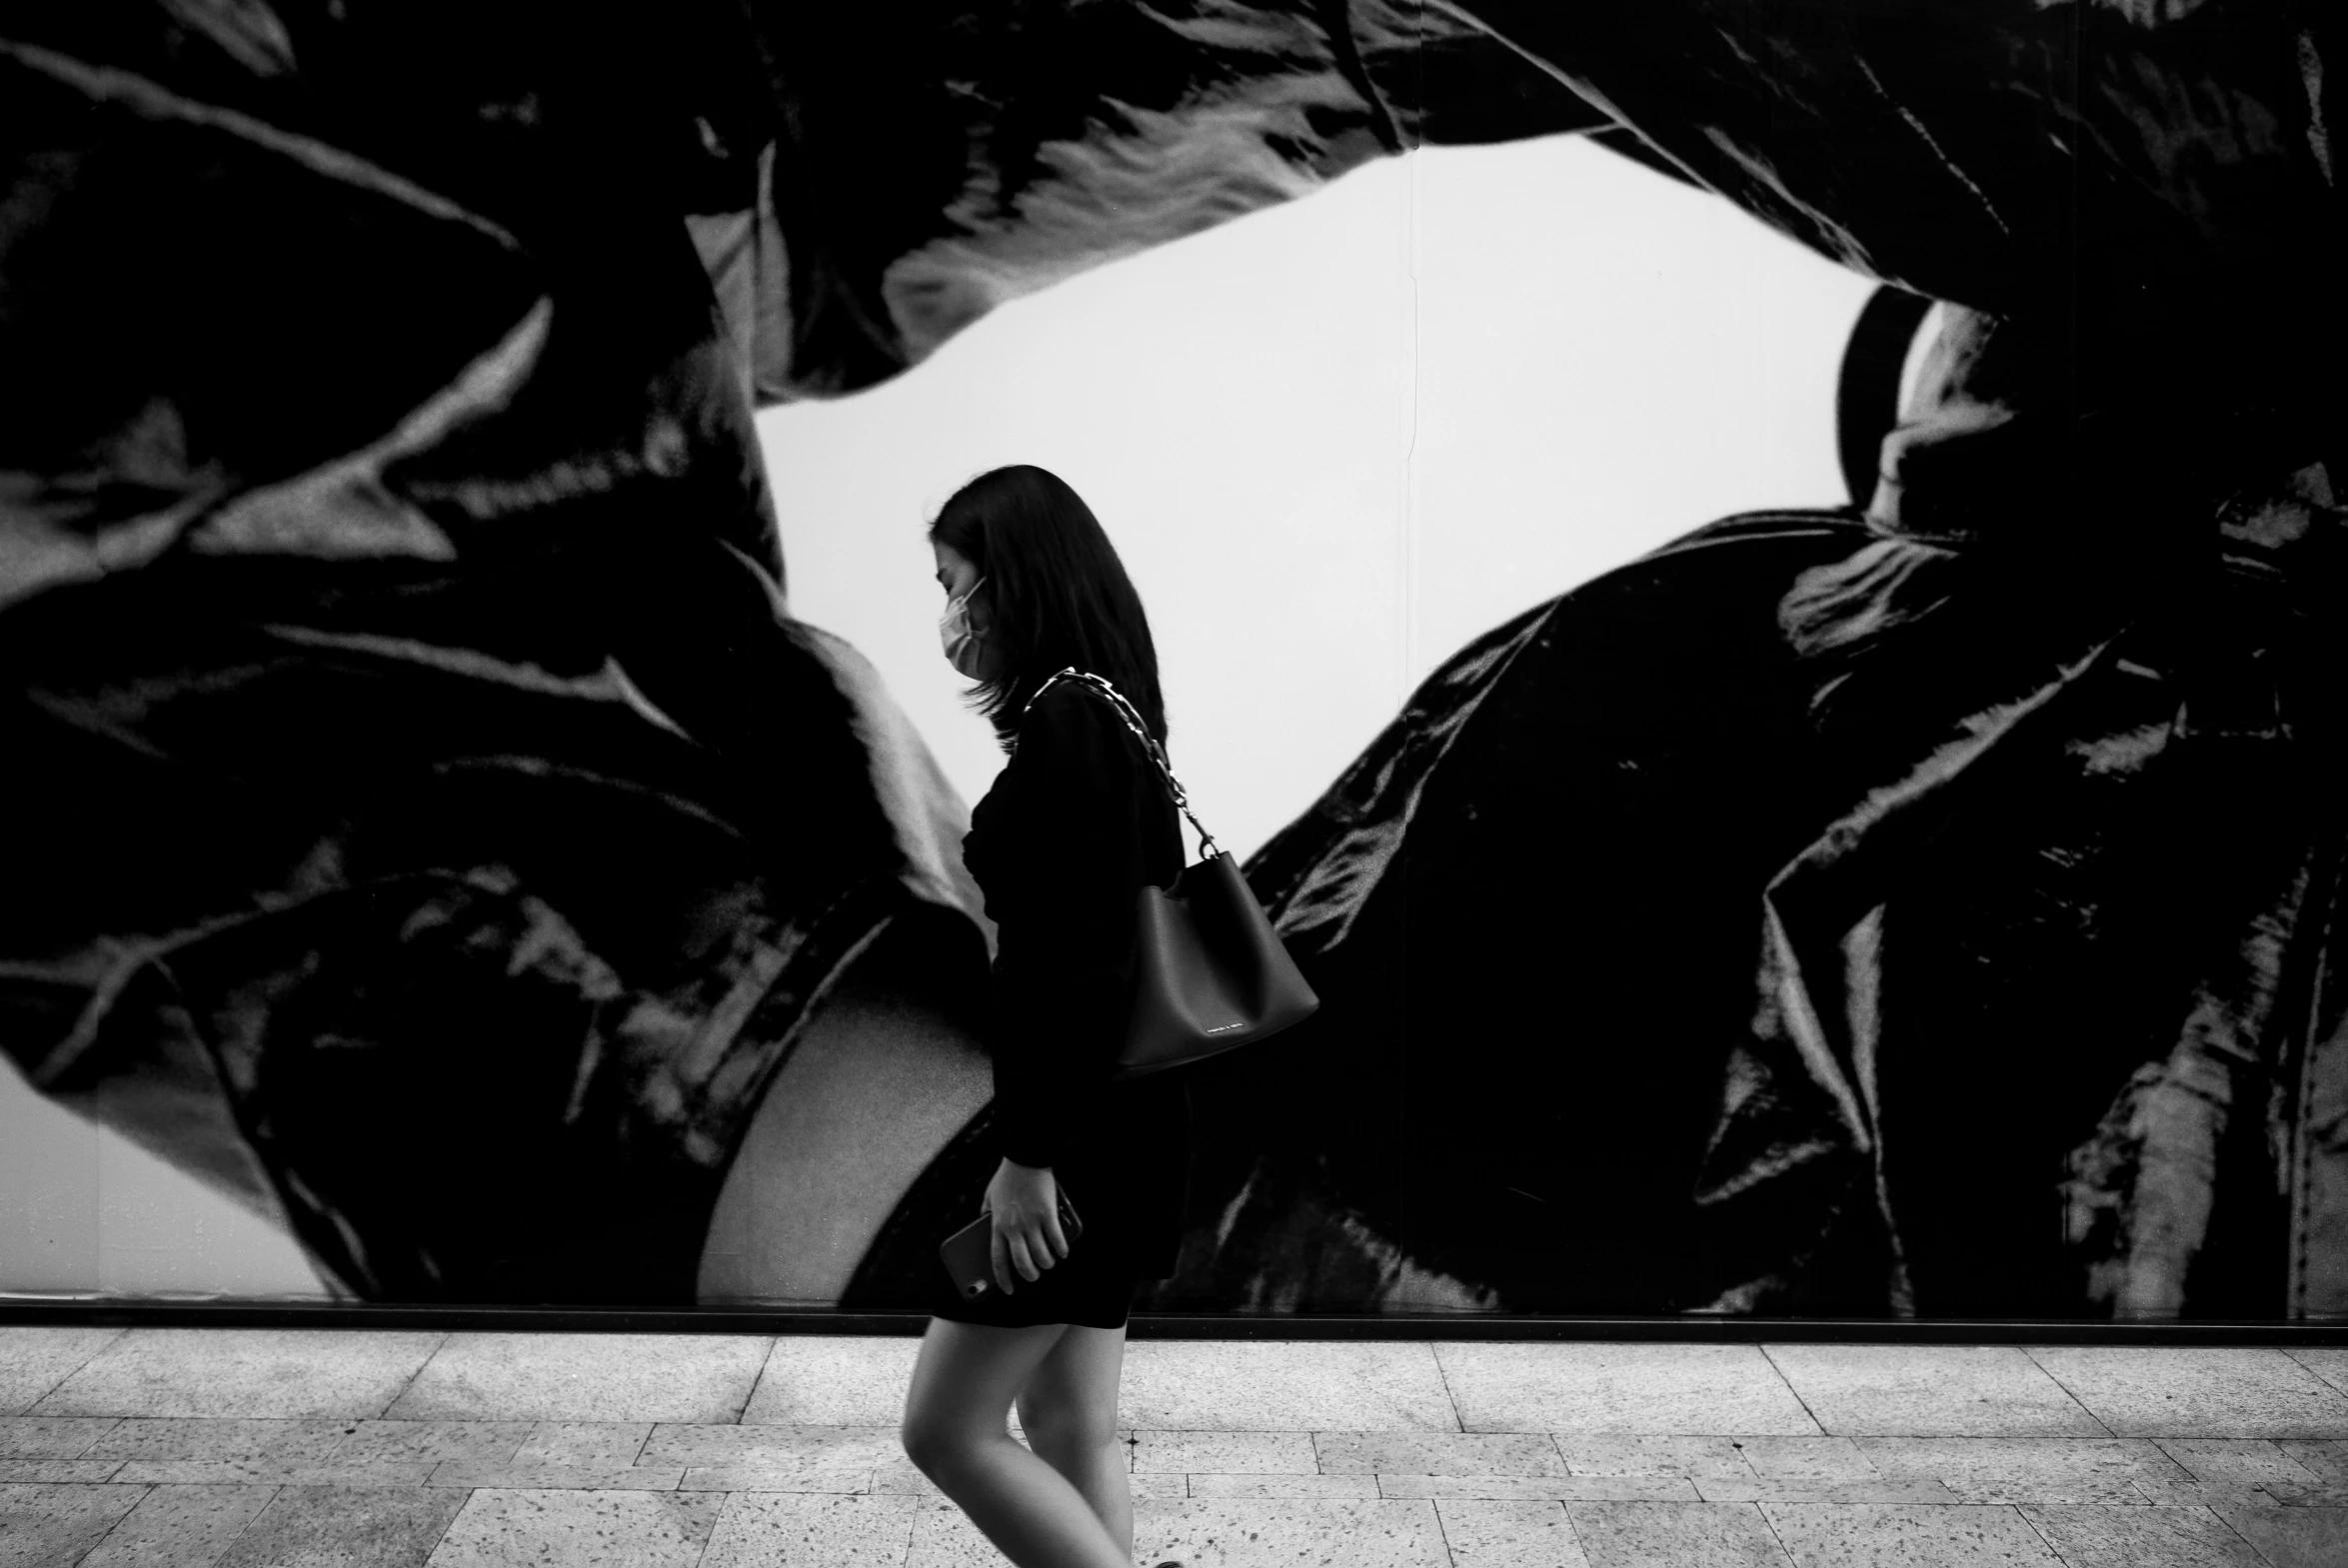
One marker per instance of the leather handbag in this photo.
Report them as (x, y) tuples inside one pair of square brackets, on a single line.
[(1210, 971)]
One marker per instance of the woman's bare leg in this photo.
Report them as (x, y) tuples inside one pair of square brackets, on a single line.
[(1069, 1410), (954, 1430)]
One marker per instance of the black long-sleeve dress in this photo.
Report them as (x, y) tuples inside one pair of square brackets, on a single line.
[(1075, 824)]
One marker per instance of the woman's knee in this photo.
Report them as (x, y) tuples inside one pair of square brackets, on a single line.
[(1054, 1427), (939, 1439), (964, 1383), (932, 1438)]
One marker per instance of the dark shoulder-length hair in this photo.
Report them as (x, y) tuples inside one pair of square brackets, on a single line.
[(1057, 594)]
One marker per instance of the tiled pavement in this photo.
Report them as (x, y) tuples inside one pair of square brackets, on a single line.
[(248, 1448)]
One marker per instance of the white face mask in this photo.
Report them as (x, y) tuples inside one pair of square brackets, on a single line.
[(965, 648)]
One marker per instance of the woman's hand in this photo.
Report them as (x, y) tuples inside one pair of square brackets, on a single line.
[(1024, 1202)]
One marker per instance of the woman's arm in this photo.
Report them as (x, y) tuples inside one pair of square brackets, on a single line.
[(1060, 888), (1059, 878)]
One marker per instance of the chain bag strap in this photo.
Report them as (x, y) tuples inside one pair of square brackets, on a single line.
[(1208, 847)]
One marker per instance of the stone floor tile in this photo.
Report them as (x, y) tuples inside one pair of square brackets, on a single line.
[(2329, 1362), (34, 1362), (585, 1377), (2240, 1461), (310, 1526), (1509, 1535), (243, 1372), (2179, 1391), (1297, 1386), (900, 1478), (2224, 1466), (2105, 1537), (41, 1525), (1269, 1485), (1211, 1533), (1233, 1453), (1869, 1535), (1675, 1535), (1827, 1460), (1437, 1453), (2205, 1494), (1875, 1491), (2025, 1469), (1931, 1391), (1580, 1389), (588, 1443), (840, 1459), (76, 1472), (775, 1476), (2325, 1459), (182, 1437), (786, 1445), (50, 1437), (470, 1474), (1563, 1488), (822, 1381), (767, 1530), (2294, 1537), (432, 1442), (1721, 1456), (270, 1472), (944, 1537), (180, 1527), (568, 1529)]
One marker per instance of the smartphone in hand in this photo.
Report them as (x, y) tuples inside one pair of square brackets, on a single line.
[(967, 1253)]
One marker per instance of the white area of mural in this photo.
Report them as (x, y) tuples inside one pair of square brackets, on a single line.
[(1334, 440), (1338, 440), (86, 1211)]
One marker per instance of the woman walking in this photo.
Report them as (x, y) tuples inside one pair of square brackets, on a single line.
[(1078, 821)]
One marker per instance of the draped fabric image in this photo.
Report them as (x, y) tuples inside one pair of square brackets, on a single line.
[(426, 821)]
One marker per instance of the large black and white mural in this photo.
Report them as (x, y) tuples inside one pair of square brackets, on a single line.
[(436, 818)]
